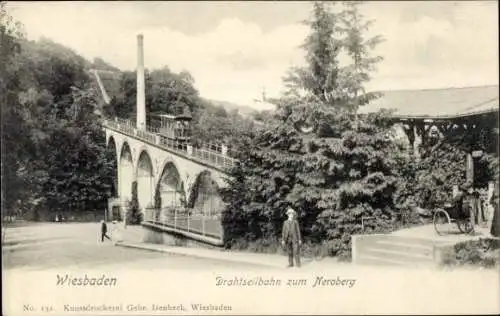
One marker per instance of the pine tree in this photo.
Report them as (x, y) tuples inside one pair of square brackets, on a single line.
[(157, 198), (311, 157), (134, 214), (14, 136), (354, 76), (323, 45)]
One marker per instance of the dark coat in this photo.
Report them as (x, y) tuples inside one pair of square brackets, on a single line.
[(291, 232), (495, 224), (104, 228), (460, 205)]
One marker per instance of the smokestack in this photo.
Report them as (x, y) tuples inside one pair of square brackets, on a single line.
[(141, 93)]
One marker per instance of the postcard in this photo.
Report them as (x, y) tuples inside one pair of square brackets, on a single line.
[(248, 158)]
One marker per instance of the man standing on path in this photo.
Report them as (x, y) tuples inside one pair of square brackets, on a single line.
[(104, 231), (291, 238)]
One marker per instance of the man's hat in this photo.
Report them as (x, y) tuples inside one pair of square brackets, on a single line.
[(290, 211)]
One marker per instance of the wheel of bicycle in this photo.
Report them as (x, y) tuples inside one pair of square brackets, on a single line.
[(441, 222), (465, 226)]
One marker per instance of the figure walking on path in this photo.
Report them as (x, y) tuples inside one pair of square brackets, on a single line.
[(291, 238), (104, 231)]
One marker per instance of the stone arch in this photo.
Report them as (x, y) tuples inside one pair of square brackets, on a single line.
[(138, 151), (112, 154), (126, 172), (204, 195), (170, 185), (145, 179)]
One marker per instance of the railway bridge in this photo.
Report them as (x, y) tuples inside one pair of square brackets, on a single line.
[(176, 184)]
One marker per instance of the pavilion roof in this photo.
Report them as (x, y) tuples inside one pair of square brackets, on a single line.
[(437, 103)]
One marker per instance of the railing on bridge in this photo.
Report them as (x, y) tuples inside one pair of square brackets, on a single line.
[(151, 135), (212, 157), (184, 220), (147, 136)]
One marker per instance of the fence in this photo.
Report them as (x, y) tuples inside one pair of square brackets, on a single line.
[(147, 136), (151, 135), (213, 157), (184, 220)]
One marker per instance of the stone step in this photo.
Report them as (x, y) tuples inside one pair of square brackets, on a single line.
[(399, 239), (403, 247), (398, 255), (375, 260), (378, 261), (394, 249)]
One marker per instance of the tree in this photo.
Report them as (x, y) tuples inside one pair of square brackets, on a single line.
[(311, 157), (157, 199), (354, 76), (73, 182), (213, 124), (325, 80), (166, 92), (322, 46), (172, 93), (50, 124), (13, 131), (100, 64), (134, 214)]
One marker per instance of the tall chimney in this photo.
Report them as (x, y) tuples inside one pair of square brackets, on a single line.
[(141, 93)]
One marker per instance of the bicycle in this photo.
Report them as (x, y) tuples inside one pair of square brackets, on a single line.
[(449, 214)]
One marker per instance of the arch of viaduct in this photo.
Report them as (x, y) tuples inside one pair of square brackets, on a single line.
[(180, 180)]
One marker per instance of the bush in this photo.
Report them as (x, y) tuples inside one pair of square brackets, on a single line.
[(484, 252), (331, 181), (134, 214), (335, 181), (157, 199)]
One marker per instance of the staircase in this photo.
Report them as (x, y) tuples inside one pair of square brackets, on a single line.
[(396, 250), (415, 246)]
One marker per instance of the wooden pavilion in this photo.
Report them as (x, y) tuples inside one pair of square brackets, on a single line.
[(471, 112)]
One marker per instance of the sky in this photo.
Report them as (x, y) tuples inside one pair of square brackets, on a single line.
[(234, 50)]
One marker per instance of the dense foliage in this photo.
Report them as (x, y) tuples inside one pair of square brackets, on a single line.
[(332, 165), (157, 198), (316, 157), (166, 92), (331, 181), (12, 120), (429, 181), (53, 150), (134, 214)]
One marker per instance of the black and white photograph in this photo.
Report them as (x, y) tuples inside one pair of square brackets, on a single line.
[(249, 157)]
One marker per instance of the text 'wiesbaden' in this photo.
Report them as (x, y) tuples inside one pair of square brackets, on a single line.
[(85, 280)]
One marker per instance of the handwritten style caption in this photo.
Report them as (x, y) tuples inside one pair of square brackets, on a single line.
[(319, 281)]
